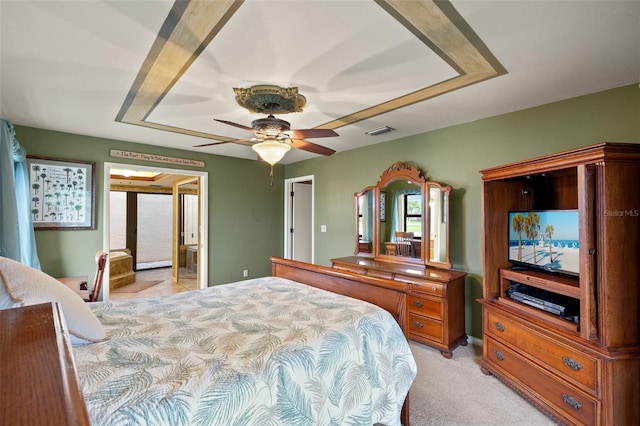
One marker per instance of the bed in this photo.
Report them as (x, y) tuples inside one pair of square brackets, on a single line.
[(288, 349)]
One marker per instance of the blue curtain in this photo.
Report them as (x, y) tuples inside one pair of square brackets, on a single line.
[(17, 239)]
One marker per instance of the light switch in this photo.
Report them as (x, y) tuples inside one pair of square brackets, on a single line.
[(323, 228)]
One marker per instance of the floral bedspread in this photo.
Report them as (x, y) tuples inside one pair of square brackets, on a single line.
[(267, 351)]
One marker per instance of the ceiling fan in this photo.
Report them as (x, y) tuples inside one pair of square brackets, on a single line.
[(273, 131)]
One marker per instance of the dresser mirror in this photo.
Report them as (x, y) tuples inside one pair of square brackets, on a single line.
[(438, 224), (364, 221), (404, 218)]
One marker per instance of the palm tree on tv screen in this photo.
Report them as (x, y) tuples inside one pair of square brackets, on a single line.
[(531, 229), (548, 232), (518, 226)]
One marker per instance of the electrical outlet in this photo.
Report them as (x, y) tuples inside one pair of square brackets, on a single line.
[(245, 273)]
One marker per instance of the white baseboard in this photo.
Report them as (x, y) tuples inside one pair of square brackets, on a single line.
[(474, 341)]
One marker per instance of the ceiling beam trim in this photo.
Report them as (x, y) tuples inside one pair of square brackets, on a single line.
[(188, 29), (439, 25)]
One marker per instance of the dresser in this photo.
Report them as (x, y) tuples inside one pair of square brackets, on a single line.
[(38, 384), (435, 304)]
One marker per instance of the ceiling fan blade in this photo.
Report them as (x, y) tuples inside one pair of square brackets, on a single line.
[(312, 133), (231, 123), (210, 144), (311, 147), (249, 142)]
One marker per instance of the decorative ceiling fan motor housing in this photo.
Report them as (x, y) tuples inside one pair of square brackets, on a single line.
[(269, 99), (271, 125)]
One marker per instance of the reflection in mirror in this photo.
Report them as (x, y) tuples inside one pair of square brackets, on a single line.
[(401, 234), (364, 211), (438, 229)]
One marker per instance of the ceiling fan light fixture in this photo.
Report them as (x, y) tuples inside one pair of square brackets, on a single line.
[(271, 150)]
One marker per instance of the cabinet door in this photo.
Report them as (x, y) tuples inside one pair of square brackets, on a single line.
[(588, 249)]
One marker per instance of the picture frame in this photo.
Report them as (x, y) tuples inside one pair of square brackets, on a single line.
[(61, 193), (383, 206)]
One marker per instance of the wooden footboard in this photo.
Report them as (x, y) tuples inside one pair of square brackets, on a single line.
[(389, 295)]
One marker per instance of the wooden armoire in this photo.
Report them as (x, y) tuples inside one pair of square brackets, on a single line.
[(583, 371)]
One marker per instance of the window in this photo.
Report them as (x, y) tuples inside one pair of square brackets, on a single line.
[(413, 214)]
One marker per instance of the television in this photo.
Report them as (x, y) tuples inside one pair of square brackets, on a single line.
[(545, 239)]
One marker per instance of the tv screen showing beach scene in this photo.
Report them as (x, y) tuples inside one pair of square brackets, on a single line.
[(545, 239)]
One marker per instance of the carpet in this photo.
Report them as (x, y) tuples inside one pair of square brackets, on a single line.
[(136, 287), (455, 392)]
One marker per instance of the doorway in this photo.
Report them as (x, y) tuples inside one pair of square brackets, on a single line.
[(178, 186), (186, 228), (299, 219)]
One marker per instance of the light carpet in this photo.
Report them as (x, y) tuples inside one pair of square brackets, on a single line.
[(455, 392)]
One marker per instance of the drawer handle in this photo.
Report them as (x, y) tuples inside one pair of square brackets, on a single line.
[(434, 288), (572, 363), (418, 324), (418, 303), (571, 401), (499, 355), (499, 326)]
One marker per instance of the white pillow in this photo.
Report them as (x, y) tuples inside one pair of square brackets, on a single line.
[(21, 285)]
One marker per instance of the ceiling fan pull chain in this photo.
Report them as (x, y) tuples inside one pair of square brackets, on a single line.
[(271, 175)]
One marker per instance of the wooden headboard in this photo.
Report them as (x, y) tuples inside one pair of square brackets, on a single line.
[(389, 295)]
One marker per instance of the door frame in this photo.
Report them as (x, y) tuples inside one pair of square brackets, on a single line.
[(288, 210), (203, 277)]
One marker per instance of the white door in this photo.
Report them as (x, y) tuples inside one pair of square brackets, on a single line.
[(298, 218), (301, 224)]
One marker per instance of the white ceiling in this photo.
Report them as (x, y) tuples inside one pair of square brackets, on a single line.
[(69, 65)]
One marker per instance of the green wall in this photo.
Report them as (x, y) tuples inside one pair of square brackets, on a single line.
[(245, 211), (454, 156)]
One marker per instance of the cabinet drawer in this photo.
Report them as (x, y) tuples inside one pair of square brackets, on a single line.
[(564, 360), (425, 287), (425, 327), (575, 405), (424, 306)]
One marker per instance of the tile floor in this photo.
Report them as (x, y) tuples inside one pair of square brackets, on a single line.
[(167, 286)]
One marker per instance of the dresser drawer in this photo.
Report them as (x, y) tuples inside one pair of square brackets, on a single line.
[(351, 268), (380, 274), (425, 306), (425, 327), (573, 403), (564, 360), (424, 287)]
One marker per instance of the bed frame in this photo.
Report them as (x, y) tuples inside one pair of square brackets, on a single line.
[(389, 295)]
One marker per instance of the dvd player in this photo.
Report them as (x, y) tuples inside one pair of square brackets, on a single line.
[(557, 304)]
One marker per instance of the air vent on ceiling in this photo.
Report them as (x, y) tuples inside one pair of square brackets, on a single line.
[(379, 131)]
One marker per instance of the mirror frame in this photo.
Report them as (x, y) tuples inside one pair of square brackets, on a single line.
[(357, 195), (411, 173)]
